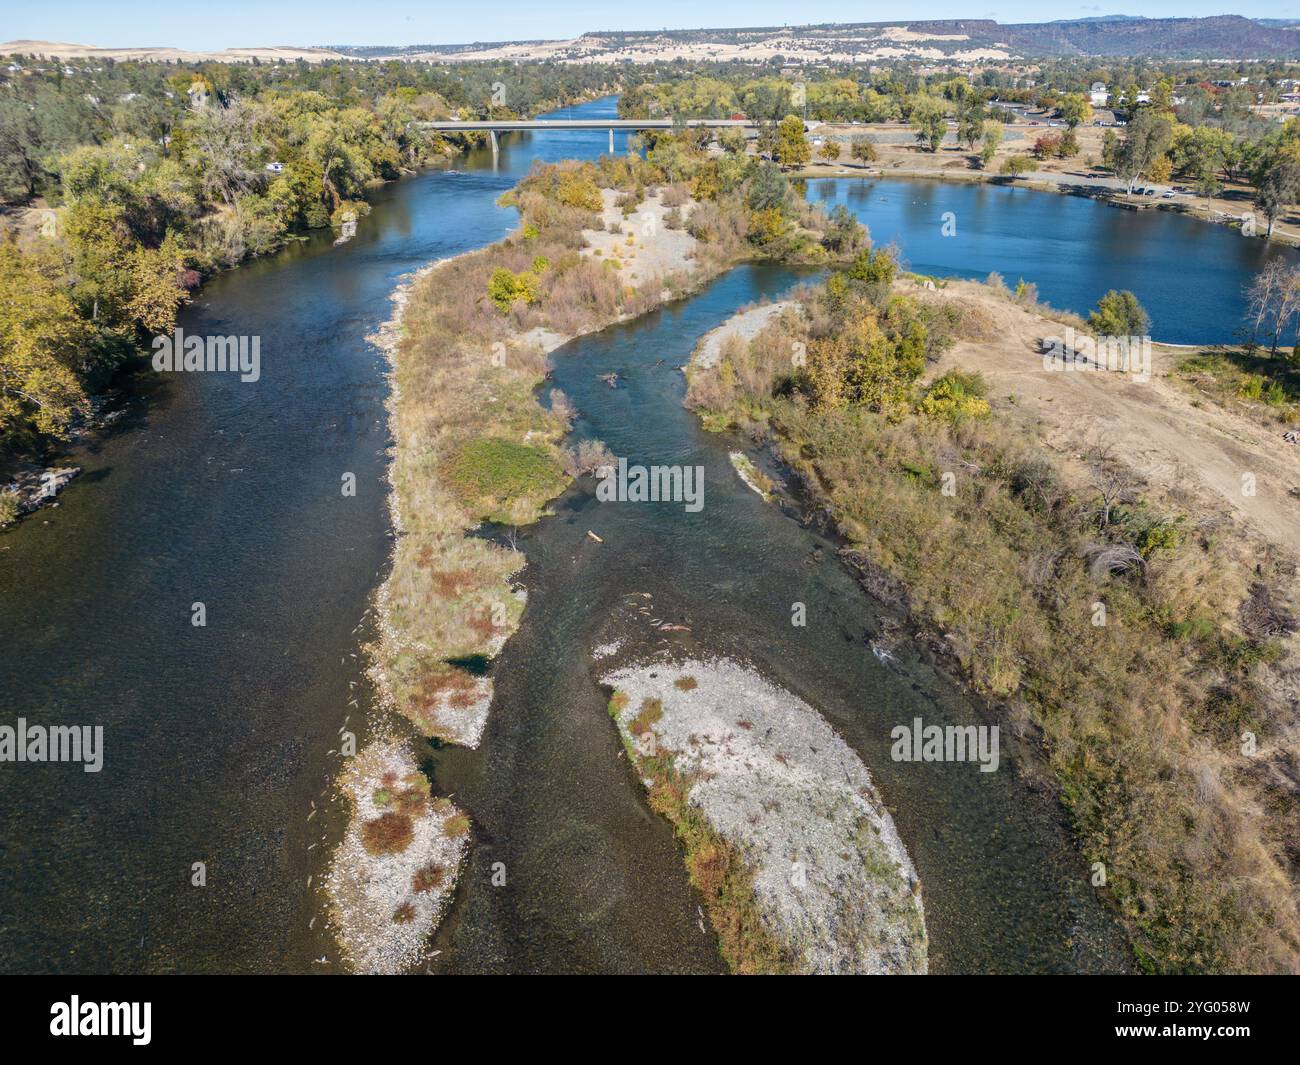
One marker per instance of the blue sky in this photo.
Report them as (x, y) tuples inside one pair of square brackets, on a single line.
[(226, 23)]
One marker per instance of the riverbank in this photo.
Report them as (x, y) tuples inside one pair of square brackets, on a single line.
[(468, 345), (1111, 609), (39, 228)]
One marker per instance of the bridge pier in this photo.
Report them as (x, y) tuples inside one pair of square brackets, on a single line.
[(611, 140), (495, 149)]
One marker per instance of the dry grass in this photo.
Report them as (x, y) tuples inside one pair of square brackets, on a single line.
[(472, 442), (1139, 721), (389, 833), (428, 878)]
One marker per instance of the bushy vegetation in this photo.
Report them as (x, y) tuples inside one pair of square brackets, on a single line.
[(490, 475), (389, 833), (1009, 556), (156, 175), (474, 443)]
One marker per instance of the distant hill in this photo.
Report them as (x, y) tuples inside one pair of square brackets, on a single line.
[(1230, 37), (1218, 37), (1100, 18)]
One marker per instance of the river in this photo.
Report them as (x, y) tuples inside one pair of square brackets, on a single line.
[(221, 741)]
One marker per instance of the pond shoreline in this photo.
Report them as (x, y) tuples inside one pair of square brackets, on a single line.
[(1101, 193)]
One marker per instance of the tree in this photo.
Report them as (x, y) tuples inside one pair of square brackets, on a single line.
[(1279, 185), (1048, 146), (732, 141), (1110, 150), (223, 148), (157, 288), (970, 120), (1074, 109), (992, 137), (1273, 300), (845, 233), (1119, 314), (20, 149), (1149, 136), (1200, 152), (768, 188), (829, 150), (1016, 165), (43, 345), (863, 150), (792, 148), (928, 120)]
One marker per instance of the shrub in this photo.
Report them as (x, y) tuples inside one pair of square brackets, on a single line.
[(1119, 314), (1017, 165), (493, 473), (428, 878), (506, 286), (389, 833), (954, 396)]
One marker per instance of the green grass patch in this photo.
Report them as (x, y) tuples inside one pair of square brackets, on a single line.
[(491, 475)]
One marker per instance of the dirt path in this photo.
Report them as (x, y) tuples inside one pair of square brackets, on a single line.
[(1201, 452)]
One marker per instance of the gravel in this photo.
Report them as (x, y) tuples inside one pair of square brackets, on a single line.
[(831, 876)]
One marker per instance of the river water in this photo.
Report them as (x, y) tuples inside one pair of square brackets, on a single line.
[(220, 741)]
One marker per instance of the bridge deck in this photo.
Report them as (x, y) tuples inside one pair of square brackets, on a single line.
[(505, 125)]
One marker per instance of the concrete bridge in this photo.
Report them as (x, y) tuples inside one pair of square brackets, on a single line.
[(495, 126)]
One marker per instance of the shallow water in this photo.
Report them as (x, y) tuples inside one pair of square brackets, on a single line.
[(560, 807)]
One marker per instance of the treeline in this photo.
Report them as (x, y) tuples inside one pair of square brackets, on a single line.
[(153, 175)]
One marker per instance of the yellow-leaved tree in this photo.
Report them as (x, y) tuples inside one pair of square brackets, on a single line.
[(44, 346)]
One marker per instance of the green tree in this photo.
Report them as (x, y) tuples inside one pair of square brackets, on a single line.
[(1279, 184), (1119, 314), (928, 120), (732, 141), (1149, 136), (157, 291), (1074, 109), (991, 138), (970, 120), (1015, 165), (768, 188), (863, 150), (792, 148)]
